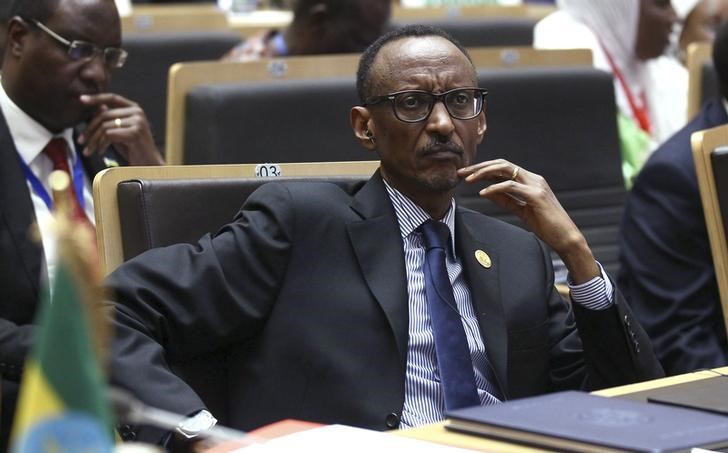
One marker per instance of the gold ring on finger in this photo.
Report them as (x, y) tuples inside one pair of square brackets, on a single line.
[(117, 122), (515, 173)]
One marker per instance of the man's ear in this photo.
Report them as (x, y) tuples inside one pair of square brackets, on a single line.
[(482, 126), (362, 124), (18, 32)]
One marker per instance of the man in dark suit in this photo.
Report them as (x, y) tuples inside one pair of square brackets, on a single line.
[(319, 295), (666, 268), (58, 63)]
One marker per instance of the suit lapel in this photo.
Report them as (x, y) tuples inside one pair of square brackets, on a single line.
[(379, 251), (16, 208), (484, 284)]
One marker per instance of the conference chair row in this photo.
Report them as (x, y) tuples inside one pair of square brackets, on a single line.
[(152, 18), (144, 77)]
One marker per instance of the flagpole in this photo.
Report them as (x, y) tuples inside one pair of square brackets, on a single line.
[(77, 245)]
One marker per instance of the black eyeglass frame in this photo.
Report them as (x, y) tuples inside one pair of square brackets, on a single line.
[(79, 45), (391, 97)]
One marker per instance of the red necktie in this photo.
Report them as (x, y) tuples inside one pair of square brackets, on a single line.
[(57, 151)]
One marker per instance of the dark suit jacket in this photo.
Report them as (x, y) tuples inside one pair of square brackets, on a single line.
[(21, 261), (307, 286), (666, 268)]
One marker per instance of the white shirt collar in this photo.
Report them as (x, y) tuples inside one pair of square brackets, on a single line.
[(410, 216)]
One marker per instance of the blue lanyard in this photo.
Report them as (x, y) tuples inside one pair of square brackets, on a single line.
[(43, 193)]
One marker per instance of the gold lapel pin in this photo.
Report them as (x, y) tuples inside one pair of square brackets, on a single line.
[(483, 259), (109, 162)]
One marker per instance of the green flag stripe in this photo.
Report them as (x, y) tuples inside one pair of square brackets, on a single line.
[(64, 344)]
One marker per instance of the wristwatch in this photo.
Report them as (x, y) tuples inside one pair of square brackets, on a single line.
[(193, 426)]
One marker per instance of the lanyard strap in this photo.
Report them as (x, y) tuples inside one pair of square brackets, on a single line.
[(641, 114), (40, 190)]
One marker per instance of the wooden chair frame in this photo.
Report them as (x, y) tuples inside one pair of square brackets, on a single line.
[(206, 16), (703, 144), (167, 17), (697, 54), (185, 76), (106, 207), (151, 18)]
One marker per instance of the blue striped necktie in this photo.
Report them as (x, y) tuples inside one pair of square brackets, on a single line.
[(451, 345)]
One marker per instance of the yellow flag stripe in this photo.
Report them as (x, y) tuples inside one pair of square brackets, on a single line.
[(37, 400)]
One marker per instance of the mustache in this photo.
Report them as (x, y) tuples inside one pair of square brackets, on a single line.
[(436, 145)]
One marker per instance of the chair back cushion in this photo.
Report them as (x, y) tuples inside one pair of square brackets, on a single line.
[(561, 124), (143, 79), (272, 121)]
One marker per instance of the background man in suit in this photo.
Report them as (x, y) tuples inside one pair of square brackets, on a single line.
[(666, 268), (58, 63), (319, 292)]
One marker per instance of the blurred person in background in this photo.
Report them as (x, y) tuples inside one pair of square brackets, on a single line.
[(319, 27), (625, 36), (698, 21), (666, 267)]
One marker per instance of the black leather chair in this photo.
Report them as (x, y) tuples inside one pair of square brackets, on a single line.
[(143, 78), (305, 120), (165, 212), (160, 206), (560, 123), (157, 213)]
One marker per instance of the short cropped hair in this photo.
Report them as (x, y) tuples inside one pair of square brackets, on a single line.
[(363, 74), (33, 9), (720, 58)]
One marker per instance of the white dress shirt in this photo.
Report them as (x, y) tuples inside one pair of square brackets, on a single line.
[(30, 137)]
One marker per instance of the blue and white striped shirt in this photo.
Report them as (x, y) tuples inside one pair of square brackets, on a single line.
[(423, 401)]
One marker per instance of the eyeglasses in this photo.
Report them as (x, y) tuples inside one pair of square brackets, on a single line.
[(413, 106), (113, 57)]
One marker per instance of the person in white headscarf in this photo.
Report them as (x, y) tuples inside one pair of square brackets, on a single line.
[(624, 37)]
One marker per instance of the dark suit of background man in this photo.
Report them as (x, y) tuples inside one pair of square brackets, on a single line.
[(666, 268), (319, 292), (47, 90)]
